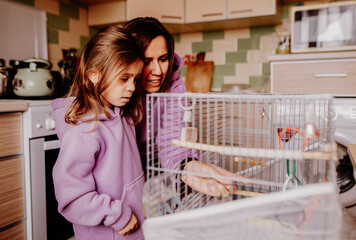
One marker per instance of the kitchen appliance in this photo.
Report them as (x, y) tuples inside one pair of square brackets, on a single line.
[(23, 31), (345, 134), (323, 27), (285, 187), (41, 149), (33, 78)]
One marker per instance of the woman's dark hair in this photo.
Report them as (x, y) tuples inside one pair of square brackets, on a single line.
[(145, 29), (107, 52)]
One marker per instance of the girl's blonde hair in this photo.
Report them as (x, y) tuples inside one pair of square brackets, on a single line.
[(107, 52)]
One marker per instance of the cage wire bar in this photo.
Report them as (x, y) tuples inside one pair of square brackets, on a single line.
[(276, 152)]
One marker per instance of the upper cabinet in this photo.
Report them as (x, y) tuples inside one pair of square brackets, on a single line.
[(205, 10), (250, 8), (181, 16), (107, 13), (167, 11)]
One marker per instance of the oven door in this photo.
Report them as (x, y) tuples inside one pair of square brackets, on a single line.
[(47, 223)]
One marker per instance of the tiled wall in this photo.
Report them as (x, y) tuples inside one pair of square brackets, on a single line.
[(67, 27), (239, 55)]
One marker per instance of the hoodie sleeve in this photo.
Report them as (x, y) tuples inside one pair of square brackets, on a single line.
[(75, 190), (171, 125)]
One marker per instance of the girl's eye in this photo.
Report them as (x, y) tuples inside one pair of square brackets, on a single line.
[(146, 62), (164, 59), (124, 79)]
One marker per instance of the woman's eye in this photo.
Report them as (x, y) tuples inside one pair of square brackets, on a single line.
[(124, 79), (164, 59)]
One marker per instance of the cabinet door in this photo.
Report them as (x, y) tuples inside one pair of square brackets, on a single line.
[(107, 13), (328, 76), (16, 232), (250, 8), (10, 134), (204, 10), (11, 191), (168, 11)]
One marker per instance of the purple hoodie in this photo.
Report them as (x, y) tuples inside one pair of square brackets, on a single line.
[(170, 156), (98, 178)]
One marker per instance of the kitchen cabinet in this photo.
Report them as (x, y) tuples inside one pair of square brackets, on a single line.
[(107, 13), (184, 16), (12, 215), (168, 11), (250, 8), (333, 73), (205, 10)]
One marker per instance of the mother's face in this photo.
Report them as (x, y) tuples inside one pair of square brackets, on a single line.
[(156, 64)]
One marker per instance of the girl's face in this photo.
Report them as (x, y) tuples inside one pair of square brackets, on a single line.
[(120, 90), (156, 64)]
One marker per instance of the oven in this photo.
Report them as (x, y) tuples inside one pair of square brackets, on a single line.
[(41, 149)]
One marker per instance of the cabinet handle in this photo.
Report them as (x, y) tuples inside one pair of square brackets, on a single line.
[(171, 17), (212, 14), (330, 75), (50, 145), (241, 11)]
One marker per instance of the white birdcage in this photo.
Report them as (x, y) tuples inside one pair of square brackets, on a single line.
[(275, 154)]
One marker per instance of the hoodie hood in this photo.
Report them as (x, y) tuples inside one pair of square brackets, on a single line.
[(177, 67), (60, 107)]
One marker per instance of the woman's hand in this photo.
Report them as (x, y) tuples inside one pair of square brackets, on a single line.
[(131, 226), (211, 186)]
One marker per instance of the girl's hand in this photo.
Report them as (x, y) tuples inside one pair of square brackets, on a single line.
[(211, 186), (131, 226)]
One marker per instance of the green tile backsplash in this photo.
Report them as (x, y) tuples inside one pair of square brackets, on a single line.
[(248, 43), (262, 31), (68, 10), (224, 70), (57, 22), (202, 47), (213, 35), (236, 57), (52, 36)]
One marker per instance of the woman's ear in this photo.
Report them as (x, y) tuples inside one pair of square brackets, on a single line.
[(93, 76)]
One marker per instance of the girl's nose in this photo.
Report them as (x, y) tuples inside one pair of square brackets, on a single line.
[(156, 68), (131, 86)]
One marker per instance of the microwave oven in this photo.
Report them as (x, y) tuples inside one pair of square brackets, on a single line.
[(323, 27)]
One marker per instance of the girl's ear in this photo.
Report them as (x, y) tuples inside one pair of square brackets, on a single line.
[(93, 76)]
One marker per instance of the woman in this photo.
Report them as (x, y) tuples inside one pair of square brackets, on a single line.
[(161, 73)]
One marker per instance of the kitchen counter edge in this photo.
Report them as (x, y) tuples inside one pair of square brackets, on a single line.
[(13, 106), (312, 56)]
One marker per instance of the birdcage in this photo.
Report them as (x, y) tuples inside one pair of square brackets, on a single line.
[(240, 166)]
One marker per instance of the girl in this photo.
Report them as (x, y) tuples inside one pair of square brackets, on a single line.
[(98, 177)]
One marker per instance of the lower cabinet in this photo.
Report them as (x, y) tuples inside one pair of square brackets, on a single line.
[(12, 212), (333, 76)]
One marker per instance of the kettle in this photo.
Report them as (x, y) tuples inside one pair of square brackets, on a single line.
[(33, 78)]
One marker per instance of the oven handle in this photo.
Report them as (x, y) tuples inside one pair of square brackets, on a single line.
[(50, 145)]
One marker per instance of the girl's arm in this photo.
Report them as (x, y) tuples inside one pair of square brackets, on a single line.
[(75, 187)]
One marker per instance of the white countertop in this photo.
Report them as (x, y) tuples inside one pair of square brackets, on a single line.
[(9, 105), (312, 56)]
